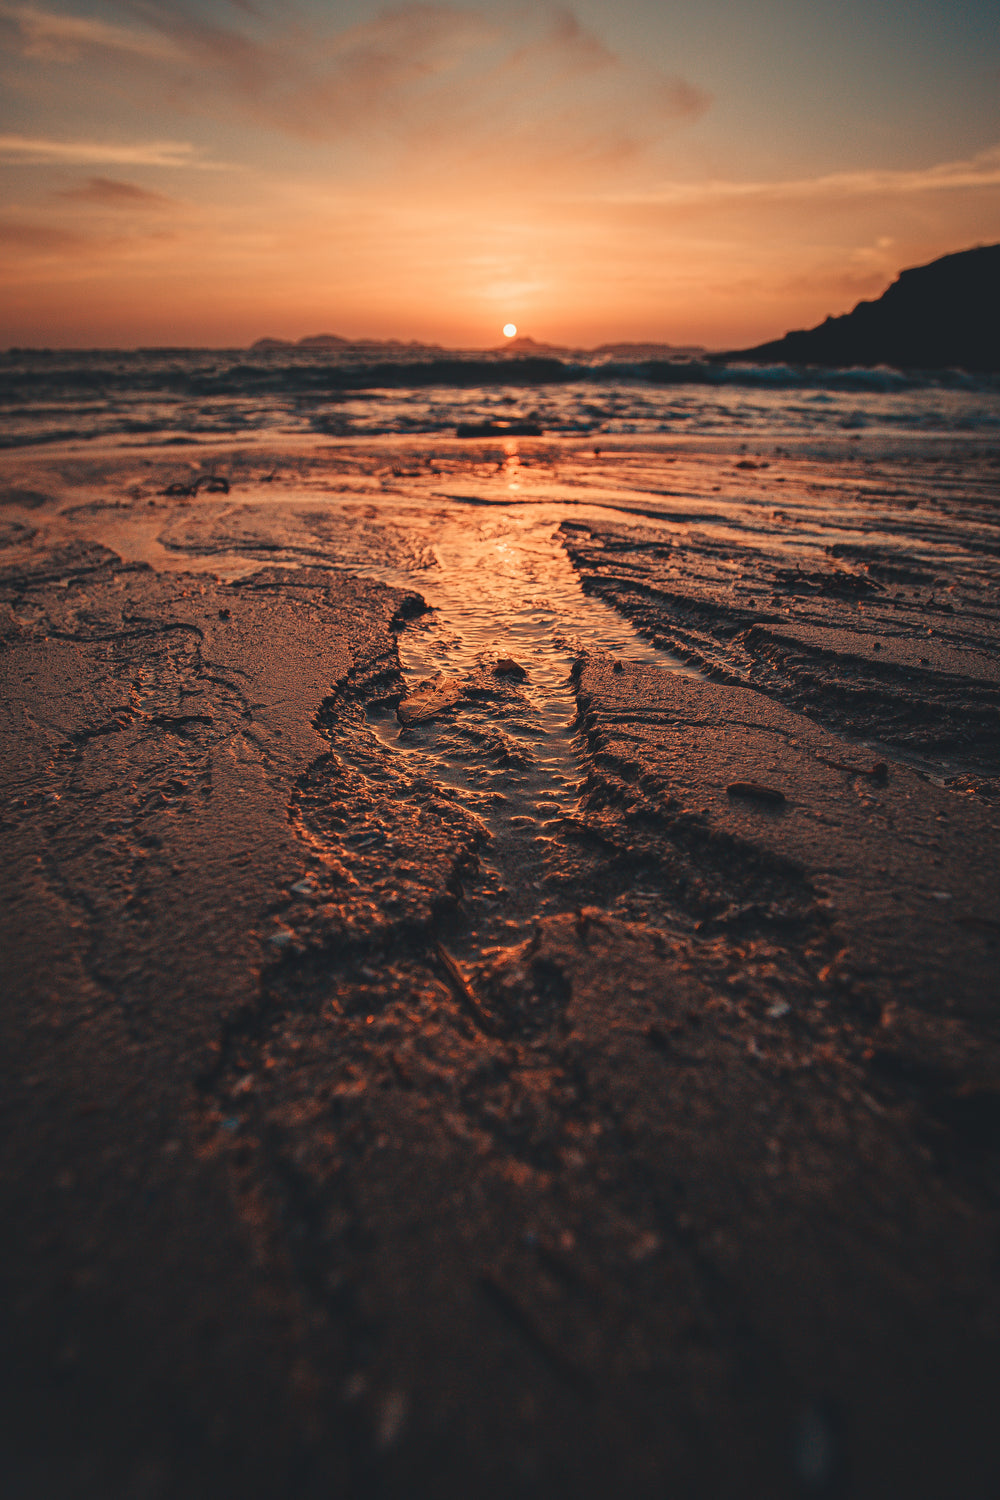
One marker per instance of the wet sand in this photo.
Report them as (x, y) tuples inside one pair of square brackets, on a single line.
[(591, 1089)]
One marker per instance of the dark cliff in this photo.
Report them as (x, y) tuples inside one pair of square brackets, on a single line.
[(940, 316)]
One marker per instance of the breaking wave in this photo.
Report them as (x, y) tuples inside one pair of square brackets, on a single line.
[(190, 395)]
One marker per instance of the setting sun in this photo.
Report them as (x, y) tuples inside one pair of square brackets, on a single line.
[(509, 330)]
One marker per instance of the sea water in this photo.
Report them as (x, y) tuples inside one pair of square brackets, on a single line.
[(188, 397)]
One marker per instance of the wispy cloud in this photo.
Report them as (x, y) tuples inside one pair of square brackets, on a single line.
[(47, 34), (979, 172), (451, 75), (567, 45), (24, 148), (39, 238), (109, 192), (680, 100)]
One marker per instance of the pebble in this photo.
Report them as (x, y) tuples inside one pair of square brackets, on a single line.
[(508, 667), (752, 791), (391, 1419)]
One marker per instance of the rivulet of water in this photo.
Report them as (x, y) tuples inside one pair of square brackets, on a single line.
[(504, 588)]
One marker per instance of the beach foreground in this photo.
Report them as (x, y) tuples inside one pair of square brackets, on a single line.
[(579, 1077)]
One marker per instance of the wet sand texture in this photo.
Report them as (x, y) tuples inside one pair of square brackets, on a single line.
[(359, 1143), (880, 642)]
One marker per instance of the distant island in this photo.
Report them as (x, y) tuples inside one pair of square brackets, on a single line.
[(335, 344), (523, 345), (945, 315), (521, 348)]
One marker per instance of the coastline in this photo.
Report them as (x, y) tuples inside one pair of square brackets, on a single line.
[(386, 1117)]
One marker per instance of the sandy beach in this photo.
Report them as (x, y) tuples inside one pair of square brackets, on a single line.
[(576, 1077)]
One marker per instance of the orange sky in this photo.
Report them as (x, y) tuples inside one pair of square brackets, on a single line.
[(210, 175)]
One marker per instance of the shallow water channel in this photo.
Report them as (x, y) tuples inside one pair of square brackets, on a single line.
[(504, 587)]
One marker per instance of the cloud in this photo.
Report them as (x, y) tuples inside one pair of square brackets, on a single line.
[(23, 148), (39, 238), (107, 192), (980, 172), (453, 77), (48, 35), (680, 100), (322, 86), (567, 47), (32, 247)]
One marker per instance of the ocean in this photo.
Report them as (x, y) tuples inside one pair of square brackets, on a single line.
[(192, 396)]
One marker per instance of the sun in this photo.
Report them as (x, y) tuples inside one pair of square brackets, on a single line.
[(509, 330)]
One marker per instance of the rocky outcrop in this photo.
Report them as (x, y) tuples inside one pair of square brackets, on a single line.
[(940, 316)]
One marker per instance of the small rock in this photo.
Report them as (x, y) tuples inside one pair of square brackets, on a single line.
[(880, 773), (752, 791), (391, 1419), (508, 667), (646, 1245), (617, 667), (658, 1036)]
